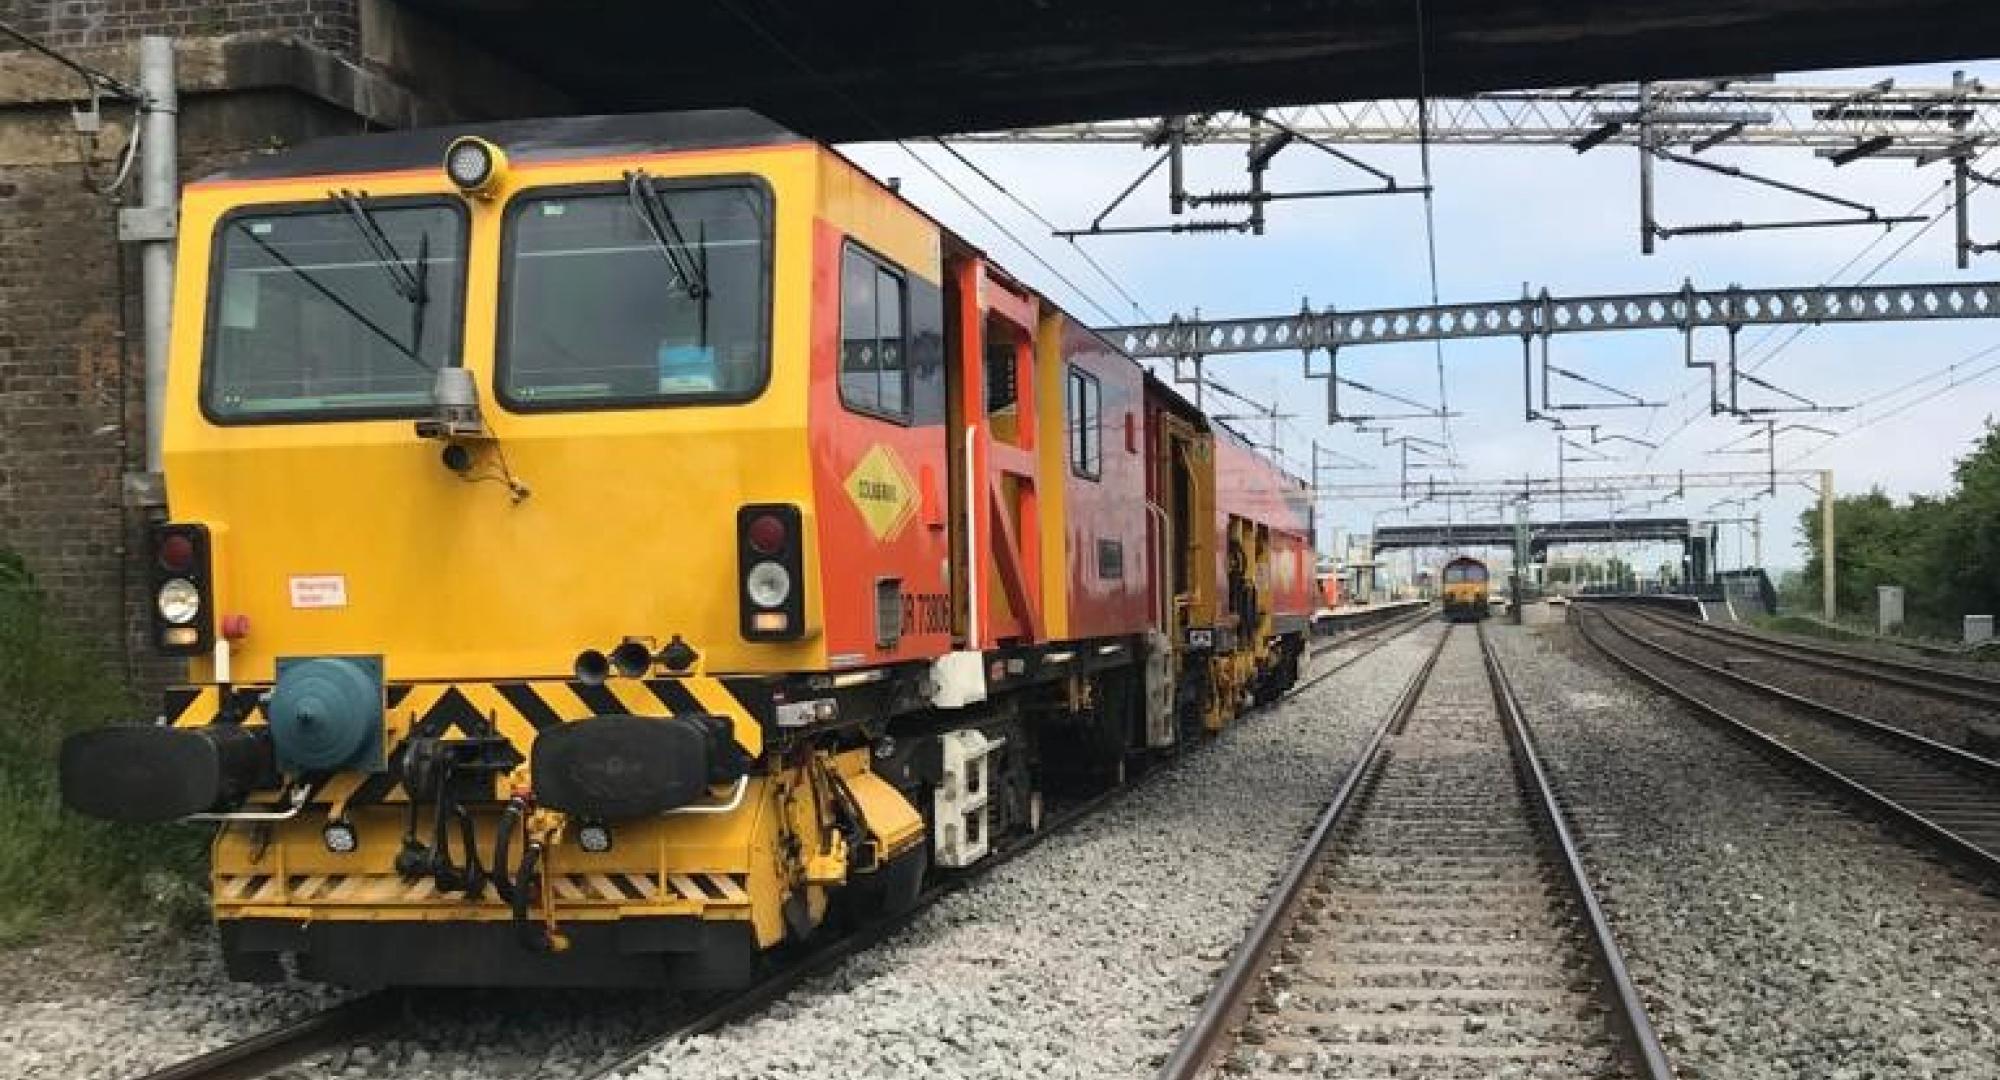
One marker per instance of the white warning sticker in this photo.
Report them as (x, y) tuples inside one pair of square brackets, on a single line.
[(319, 590)]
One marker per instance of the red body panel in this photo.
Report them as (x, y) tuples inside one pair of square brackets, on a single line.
[(1251, 487), (1109, 559), (884, 497), (848, 446)]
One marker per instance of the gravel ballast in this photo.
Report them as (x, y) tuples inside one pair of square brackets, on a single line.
[(1087, 956), (1941, 720), (1084, 957), (83, 1012), (1773, 932)]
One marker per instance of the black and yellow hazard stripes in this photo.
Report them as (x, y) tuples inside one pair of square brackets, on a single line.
[(515, 709), (580, 894)]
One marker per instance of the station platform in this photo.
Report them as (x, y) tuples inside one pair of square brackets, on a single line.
[(1326, 621)]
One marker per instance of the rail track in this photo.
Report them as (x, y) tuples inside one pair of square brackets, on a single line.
[(380, 1014), (1946, 684), (1438, 922), (1946, 796)]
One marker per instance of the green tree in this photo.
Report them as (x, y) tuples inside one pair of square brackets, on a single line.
[(1945, 552), (1965, 550), (1868, 543)]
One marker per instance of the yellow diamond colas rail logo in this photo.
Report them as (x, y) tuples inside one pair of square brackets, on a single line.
[(883, 492)]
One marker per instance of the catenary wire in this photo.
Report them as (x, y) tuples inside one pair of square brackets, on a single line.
[(1765, 334), (1032, 212), (1017, 200), (1430, 222), (1905, 387), (1909, 240), (886, 133), (1797, 332)]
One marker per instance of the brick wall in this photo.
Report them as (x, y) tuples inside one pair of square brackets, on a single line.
[(72, 396), (334, 25), (59, 385), (253, 75), (71, 391)]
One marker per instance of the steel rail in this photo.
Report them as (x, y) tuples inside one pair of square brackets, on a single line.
[(1621, 994), (1961, 849), (1961, 686), (1230, 998), (1908, 741), (291, 1043), (266, 1052), (825, 958)]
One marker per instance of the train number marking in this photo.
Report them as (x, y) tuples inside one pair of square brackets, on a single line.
[(926, 613)]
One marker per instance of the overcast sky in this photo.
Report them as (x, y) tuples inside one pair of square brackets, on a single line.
[(1541, 216)]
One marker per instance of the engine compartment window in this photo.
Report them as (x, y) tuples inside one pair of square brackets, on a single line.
[(333, 310), (874, 340), (653, 294)]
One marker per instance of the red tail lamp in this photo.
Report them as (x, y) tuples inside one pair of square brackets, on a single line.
[(176, 553), (766, 534)]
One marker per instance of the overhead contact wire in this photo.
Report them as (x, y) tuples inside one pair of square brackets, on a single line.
[(1799, 331), (886, 133), (1003, 189), (1430, 223)]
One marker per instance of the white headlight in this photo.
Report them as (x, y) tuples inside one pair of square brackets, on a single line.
[(179, 601), (469, 163), (768, 585), (339, 837)]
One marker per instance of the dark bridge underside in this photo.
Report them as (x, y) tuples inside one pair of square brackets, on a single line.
[(864, 69)]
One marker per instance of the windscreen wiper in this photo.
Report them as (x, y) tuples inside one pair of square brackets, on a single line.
[(665, 229), (333, 297), (409, 279)]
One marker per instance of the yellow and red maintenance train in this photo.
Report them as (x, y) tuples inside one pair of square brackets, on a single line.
[(605, 549)]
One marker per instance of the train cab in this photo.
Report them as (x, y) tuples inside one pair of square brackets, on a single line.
[(1465, 589)]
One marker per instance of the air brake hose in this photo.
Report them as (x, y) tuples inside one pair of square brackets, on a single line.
[(532, 935), (443, 870), (472, 880), (475, 873), (503, 840)]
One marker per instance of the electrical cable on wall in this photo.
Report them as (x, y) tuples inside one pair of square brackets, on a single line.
[(96, 85)]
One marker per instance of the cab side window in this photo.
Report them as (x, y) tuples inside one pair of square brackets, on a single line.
[(874, 370), (1086, 433)]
